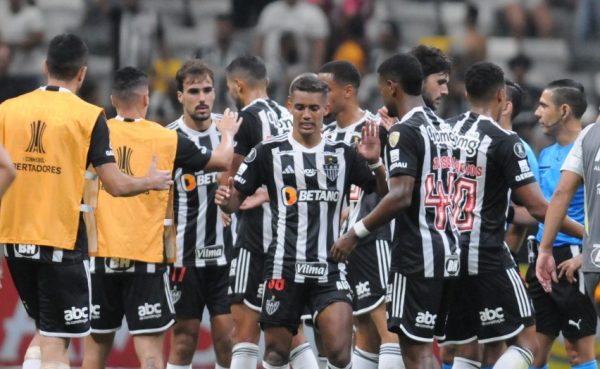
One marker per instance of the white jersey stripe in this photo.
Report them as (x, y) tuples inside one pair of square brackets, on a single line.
[(280, 246)]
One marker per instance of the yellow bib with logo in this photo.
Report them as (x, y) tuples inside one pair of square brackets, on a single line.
[(134, 227), (47, 134)]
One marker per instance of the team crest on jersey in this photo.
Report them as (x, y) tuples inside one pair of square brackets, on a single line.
[(37, 133), (271, 306), (394, 138), (331, 167), (175, 294)]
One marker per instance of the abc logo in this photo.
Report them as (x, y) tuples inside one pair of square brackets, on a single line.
[(426, 318), (491, 314), (149, 309), (290, 195), (75, 314)]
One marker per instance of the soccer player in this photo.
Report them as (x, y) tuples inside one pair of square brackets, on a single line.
[(436, 74), (566, 309), (200, 277), (425, 258), (52, 136), (263, 118), (129, 274), (308, 177), (368, 267), (490, 162)]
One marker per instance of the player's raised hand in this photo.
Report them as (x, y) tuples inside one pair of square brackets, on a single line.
[(545, 270), (230, 123), (370, 146), (343, 247), (223, 194), (385, 119), (159, 179)]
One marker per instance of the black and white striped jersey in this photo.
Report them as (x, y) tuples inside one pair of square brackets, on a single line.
[(202, 239), (307, 188), (489, 161), (262, 119), (360, 203), (425, 242)]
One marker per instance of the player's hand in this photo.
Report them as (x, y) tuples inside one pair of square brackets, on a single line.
[(225, 218), (569, 267), (343, 247), (386, 120), (260, 197), (159, 179), (223, 194), (545, 270), (370, 146), (230, 123)]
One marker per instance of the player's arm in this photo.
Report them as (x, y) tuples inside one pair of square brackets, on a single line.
[(222, 156), (247, 180), (370, 149), (7, 170), (115, 182)]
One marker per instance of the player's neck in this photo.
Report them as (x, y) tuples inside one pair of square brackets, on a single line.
[(131, 112), (199, 126), (349, 116), (254, 95), (72, 86), (409, 103), (505, 123), (486, 110), (308, 141), (569, 132)]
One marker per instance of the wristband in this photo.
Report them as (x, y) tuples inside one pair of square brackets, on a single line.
[(360, 230), (376, 165)]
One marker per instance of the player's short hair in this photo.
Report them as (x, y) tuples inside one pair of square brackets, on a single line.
[(193, 68), (515, 94), (343, 72), (250, 68), (67, 53), (570, 92), (432, 60), (309, 82), (483, 80), (404, 69), (126, 81)]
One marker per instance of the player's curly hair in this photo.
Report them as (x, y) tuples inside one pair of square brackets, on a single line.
[(483, 80), (404, 69), (193, 68), (432, 60)]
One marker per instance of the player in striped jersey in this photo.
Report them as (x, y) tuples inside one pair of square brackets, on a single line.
[(263, 118), (491, 166), (199, 278), (125, 284), (425, 257), (307, 177), (368, 266), (436, 74)]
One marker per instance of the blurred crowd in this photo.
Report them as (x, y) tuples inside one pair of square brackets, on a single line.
[(295, 36)]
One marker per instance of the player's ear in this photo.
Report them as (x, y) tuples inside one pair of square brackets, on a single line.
[(112, 101), (508, 109), (288, 103), (180, 97)]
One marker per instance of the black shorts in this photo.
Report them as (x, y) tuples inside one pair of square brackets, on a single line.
[(285, 301), (144, 299), (566, 309), (417, 307), (193, 289), (592, 282), (246, 278), (368, 269), (56, 296), (488, 307)]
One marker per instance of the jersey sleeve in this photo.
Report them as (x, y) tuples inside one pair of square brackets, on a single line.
[(511, 156), (360, 174), (402, 151), (190, 156), (249, 176), (574, 160), (100, 151), (247, 136)]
